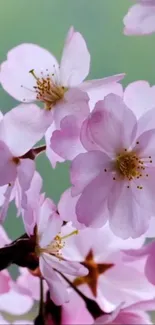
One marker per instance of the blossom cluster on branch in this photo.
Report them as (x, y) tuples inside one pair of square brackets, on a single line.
[(84, 260)]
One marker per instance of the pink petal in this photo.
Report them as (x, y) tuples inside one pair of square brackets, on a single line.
[(86, 137), (128, 219), (99, 93), (140, 20), (33, 193), (145, 198), (75, 103), (52, 229), (146, 121), (150, 264), (6, 203), (66, 142), (108, 319), (48, 222), (75, 61), (23, 126), (58, 291), (133, 318), (2, 192), (151, 230), (4, 282), (91, 206), (145, 148), (66, 208), (15, 303), (78, 245), (52, 156), (97, 83), (140, 97), (15, 76), (4, 239), (68, 267), (73, 315), (8, 169), (85, 167), (111, 117), (25, 172), (28, 284)]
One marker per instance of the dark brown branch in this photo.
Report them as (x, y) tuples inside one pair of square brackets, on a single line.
[(34, 152)]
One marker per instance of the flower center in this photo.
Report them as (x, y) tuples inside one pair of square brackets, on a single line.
[(48, 90), (54, 248), (128, 165)]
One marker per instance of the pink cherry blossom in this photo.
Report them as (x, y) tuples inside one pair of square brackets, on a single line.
[(38, 75), (61, 89), (49, 243), (112, 279), (115, 177), (140, 19)]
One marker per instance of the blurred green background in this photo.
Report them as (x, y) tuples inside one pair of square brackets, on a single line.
[(46, 22)]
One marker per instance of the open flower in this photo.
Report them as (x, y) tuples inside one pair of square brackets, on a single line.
[(49, 242), (32, 73), (115, 178), (101, 252), (140, 18)]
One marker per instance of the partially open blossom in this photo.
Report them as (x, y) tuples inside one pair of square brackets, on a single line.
[(115, 178), (49, 242), (111, 279), (140, 19)]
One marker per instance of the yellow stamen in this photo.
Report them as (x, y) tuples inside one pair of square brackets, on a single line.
[(75, 232)]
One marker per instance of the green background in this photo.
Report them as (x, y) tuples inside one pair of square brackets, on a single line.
[(46, 22)]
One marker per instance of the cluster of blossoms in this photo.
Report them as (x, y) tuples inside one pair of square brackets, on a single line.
[(90, 250)]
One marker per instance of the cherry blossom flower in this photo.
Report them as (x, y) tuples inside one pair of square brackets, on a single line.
[(101, 252), (38, 76), (61, 89), (115, 177), (48, 245), (140, 19)]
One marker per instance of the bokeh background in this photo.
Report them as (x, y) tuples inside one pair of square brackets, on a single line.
[(46, 22)]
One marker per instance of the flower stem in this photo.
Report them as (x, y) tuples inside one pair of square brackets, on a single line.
[(40, 320), (92, 306)]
